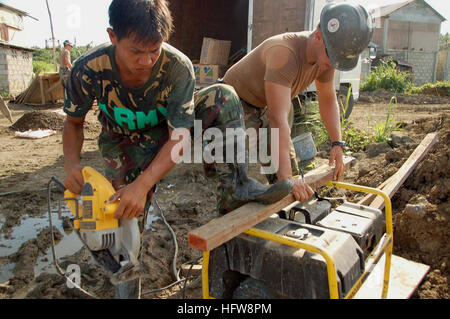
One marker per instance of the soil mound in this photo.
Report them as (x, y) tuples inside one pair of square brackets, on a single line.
[(36, 120), (422, 221), (420, 207), (47, 120)]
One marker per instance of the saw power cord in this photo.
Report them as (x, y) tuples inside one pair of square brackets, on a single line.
[(175, 272), (174, 237)]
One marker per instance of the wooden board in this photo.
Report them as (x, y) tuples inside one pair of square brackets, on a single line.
[(221, 230), (5, 110), (44, 88), (405, 277)]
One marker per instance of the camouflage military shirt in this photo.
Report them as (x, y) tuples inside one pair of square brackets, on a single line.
[(135, 122), (166, 99)]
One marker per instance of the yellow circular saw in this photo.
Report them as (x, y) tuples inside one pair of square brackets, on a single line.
[(94, 221)]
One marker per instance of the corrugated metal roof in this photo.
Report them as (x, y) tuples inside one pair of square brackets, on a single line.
[(3, 44), (386, 7), (23, 13), (20, 12)]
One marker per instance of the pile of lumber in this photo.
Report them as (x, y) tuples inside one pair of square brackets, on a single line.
[(46, 88)]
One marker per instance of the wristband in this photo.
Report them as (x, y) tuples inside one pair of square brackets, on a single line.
[(338, 143)]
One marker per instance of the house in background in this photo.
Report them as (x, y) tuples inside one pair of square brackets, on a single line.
[(408, 31), (16, 60)]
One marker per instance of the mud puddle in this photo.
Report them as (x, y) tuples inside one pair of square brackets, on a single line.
[(68, 245), (28, 229)]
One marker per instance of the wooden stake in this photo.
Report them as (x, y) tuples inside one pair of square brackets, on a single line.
[(53, 36)]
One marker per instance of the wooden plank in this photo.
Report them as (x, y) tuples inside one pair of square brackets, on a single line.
[(221, 230), (53, 87), (404, 279), (41, 84), (368, 199), (32, 87), (406, 169), (195, 270), (5, 110)]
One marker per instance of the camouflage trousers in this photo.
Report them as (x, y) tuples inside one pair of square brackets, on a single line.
[(126, 157), (256, 118), (64, 76)]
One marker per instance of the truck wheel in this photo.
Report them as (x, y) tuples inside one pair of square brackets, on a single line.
[(251, 288), (342, 101)]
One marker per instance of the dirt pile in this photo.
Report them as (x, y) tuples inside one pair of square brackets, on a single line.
[(422, 222), (421, 210), (35, 120)]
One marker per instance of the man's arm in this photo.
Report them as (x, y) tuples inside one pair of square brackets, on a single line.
[(133, 197), (279, 105), (73, 139), (67, 62), (329, 111)]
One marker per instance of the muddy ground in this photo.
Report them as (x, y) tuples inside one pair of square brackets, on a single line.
[(187, 200)]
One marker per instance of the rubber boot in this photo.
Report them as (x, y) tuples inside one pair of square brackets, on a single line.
[(246, 189)]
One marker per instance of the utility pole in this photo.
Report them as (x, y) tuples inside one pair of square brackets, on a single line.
[(53, 37)]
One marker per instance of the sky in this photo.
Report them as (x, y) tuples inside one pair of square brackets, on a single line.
[(86, 21)]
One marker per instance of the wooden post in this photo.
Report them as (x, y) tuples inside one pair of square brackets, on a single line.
[(41, 84), (53, 37)]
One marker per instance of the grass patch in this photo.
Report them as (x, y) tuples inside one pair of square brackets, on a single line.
[(43, 65), (387, 76), (355, 139), (440, 88)]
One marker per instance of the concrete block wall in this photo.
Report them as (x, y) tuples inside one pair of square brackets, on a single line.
[(4, 86), (447, 69), (16, 70), (425, 64), (443, 70)]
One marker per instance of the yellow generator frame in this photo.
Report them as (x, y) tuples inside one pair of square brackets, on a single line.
[(384, 246)]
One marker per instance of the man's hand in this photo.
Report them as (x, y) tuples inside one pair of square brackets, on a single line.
[(132, 199), (74, 179), (337, 158), (301, 190)]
